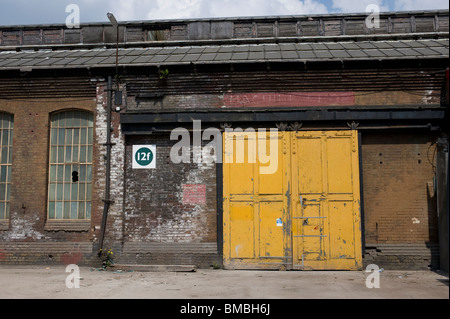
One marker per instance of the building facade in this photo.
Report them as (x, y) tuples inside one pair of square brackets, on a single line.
[(303, 142)]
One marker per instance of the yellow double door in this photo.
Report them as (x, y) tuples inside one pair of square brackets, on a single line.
[(298, 208)]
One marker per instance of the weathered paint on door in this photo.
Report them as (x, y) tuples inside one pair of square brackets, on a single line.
[(254, 202), (325, 195), (303, 216)]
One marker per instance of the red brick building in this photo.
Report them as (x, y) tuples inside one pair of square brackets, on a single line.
[(68, 188)]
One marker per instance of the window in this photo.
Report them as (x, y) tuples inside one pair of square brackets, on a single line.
[(6, 138), (70, 171)]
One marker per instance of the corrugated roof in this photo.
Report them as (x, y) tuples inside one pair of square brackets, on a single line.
[(228, 53)]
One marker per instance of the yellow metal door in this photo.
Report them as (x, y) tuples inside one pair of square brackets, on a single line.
[(256, 224), (302, 215), (325, 193)]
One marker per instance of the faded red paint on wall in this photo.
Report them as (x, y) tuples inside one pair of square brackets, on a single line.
[(293, 99), (194, 194)]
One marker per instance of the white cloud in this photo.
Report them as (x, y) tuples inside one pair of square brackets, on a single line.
[(346, 6), (406, 5), (182, 9)]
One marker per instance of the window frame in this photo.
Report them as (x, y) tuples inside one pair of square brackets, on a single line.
[(6, 166), (71, 137)]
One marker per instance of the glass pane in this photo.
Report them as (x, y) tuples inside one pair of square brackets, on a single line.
[(2, 211), (58, 210), (3, 173), (75, 154), (83, 154), (74, 195), (4, 155), (52, 192), (60, 155), (83, 120), (82, 192), (89, 154), (7, 210), (2, 191), (8, 188), (90, 119), (52, 173), (76, 118), (54, 137), (68, 174), (90, 136), (89, 173), (54, 120), (74, 210), (76, 136), (61, 136), (81, 210), (5, 137), (67, 192), (53, 153), (60, 173), (9, 174), (59, 191), (66, 210), (68, 154), (82, 173), (69, 119), (51, 210), (83, 136), (68, 137), (88, 191)]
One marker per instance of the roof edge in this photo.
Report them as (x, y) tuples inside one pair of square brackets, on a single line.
[(237, 18)]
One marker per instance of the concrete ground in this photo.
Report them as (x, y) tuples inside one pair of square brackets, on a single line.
[(19, 282)]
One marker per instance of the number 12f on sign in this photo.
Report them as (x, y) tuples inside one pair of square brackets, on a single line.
[(144, 156)]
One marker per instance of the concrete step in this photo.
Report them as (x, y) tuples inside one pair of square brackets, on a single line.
[(154, 268)]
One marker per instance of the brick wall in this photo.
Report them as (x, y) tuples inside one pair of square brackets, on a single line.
[(114, 228), (400, 213), (172, 203), (398, 173), (29, 184)]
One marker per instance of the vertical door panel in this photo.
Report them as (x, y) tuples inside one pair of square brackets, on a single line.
[(242, 228), (340, 170), (270, 232), (255, 204)]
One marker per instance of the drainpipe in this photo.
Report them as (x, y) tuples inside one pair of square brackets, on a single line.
[(107, 200)]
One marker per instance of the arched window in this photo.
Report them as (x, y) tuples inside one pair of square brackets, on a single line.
[(70, 171), (6, 138)]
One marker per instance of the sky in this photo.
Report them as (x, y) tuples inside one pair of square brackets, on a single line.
[(23, 12)]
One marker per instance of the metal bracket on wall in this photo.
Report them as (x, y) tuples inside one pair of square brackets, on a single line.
[(224, 126), (353, 125)]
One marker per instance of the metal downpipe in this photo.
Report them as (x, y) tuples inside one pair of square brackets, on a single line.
[(108, 144)]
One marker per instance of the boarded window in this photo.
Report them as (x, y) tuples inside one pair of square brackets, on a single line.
[(70, 171), (6, 138)]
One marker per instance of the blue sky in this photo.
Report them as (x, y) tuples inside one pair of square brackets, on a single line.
[(20, 12)]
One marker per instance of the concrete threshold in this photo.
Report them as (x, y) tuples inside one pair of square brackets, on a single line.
[(155, 268)]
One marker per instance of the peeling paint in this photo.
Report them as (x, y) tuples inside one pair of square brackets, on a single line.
[(22, 229)]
